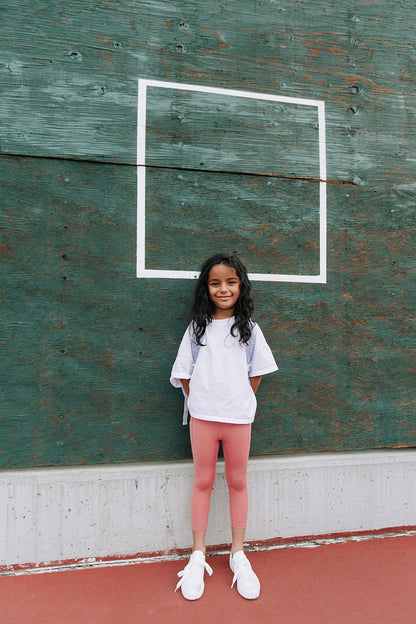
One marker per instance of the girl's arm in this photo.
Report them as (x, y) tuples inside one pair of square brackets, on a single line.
[(185, 385), (255, 382)]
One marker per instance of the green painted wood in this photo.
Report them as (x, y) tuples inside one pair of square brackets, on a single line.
[(77, 65), (190, 216), (217, 132), (87, 347), (83, 351)]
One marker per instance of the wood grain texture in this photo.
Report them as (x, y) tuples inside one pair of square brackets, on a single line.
[(87, 347), (272, 222), (77, 65), (217, 132)]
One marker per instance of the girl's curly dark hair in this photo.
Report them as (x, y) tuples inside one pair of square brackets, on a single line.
[(203, 308)]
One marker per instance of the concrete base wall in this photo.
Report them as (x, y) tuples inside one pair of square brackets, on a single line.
[(52, 515)]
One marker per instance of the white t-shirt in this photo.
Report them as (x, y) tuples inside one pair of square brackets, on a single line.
[(219, 388)]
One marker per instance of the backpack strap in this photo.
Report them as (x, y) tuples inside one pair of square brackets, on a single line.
[(195, 347), (250, 345), (185, 408)]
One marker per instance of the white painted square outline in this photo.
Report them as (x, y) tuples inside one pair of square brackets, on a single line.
[(141, 181)]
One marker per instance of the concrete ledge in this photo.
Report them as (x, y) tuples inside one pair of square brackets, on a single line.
[(52, 515)]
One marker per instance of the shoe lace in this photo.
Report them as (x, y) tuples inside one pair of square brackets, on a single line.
[(189, 569), (242, 569)]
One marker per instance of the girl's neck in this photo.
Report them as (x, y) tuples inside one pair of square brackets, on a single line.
[(222, 314)]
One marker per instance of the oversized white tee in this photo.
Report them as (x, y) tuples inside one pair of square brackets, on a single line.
[(219, 388)]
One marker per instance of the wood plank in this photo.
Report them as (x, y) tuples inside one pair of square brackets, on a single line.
[(69, 72), (87, 347)]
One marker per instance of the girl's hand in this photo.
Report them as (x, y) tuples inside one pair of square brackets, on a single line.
[(185, 385), (255, 382)]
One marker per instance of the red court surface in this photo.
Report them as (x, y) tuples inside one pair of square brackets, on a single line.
[(371, 582)]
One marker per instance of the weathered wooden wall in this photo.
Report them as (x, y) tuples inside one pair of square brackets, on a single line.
[(86, 346)]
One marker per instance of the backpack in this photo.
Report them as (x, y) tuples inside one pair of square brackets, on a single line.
[(195, 348)]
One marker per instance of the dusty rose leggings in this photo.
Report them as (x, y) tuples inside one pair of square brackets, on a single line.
[(205, 439)]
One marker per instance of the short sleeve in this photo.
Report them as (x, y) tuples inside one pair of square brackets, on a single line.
[(263, 360), (183, 365)]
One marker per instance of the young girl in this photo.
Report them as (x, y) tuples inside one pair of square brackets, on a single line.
[(219, 366)]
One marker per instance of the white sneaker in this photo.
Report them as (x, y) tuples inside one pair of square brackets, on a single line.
[(248, 585), (192, 576)]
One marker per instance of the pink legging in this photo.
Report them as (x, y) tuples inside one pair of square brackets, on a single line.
[(205, 439)]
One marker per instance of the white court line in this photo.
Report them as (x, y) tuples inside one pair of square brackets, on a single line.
[(141, 181), (92, 562)]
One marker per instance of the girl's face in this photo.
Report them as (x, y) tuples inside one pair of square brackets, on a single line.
[(223, 289)]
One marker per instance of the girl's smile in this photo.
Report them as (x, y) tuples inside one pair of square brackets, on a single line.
[(223, 289)]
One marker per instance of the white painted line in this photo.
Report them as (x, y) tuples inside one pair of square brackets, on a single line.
[(322, 232), (165, 273), (141, 177), (312, 542), (141, 123), (322, 192), (231, 92), (141, 221), (254, 277), (142, 272), (277, 277)]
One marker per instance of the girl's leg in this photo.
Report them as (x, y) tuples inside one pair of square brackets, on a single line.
[(238, 539), (236, 445), (199, 540), (205, 443)]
